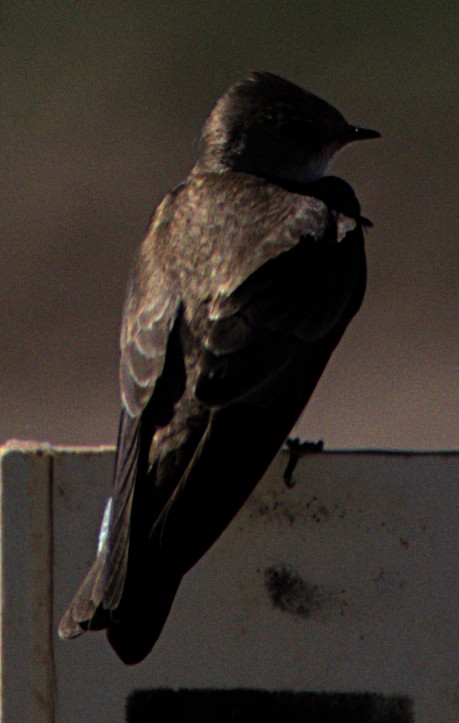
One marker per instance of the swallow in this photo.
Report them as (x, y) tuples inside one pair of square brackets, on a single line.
[(251, 270)]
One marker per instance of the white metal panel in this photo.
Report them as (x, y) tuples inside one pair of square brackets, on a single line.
[(346, 582)]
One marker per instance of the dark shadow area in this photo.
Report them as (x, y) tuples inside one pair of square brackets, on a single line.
[(244, 706)]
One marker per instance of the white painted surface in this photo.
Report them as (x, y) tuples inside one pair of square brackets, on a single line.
[(367, 541)]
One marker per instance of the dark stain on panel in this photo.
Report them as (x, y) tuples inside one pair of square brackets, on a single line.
[(246, 706)]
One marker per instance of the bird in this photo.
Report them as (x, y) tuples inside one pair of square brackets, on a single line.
[(250, 272)]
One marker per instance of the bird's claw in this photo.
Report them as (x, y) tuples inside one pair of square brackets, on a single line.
[(297, 449)]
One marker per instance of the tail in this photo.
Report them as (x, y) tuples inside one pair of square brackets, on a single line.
[(132, 628), (133, 638), (84, 612), (129, 590)]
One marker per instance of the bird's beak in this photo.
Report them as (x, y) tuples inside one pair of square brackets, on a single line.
[(361, 134)]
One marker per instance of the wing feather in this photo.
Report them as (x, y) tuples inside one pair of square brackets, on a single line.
[(295, 290)]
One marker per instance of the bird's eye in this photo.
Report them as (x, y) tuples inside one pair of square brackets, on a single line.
[(299, 131)]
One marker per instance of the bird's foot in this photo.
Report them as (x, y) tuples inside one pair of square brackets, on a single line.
[(297, 449)]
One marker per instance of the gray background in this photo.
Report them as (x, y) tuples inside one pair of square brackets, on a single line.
[(102, 104)]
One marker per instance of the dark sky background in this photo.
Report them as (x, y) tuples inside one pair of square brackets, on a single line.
[(102, 104)]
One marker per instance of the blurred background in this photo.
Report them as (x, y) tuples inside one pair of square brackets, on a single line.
[(102, 105)]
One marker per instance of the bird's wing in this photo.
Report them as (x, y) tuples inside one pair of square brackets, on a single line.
[(247, 256), (289, 289), (144, 339), (150, 312), (277, 312), (217, 256)]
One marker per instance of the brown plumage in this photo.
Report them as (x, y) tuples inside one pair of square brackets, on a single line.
[(246, 281)]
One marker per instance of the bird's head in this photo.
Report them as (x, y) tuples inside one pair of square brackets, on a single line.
[(272, 128)]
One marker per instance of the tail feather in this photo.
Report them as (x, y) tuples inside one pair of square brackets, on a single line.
[(82, 611), (133, 638), (133, 635)]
